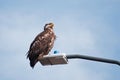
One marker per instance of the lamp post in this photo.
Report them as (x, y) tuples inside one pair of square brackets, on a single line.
[(111, 61), (56, 59)]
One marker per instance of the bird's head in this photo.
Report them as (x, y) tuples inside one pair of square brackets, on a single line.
[(49, 26)]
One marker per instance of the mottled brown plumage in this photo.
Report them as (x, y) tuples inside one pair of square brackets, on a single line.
[(42, 44)]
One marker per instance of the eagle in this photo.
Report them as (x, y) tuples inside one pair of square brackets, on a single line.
[(42, 44)]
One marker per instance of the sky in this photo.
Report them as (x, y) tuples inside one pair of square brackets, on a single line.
[(87, 27)]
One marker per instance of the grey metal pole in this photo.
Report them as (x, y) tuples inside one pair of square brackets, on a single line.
[(74, 56)]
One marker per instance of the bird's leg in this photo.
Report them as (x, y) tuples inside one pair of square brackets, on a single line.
[(40, 56), (49, 54)]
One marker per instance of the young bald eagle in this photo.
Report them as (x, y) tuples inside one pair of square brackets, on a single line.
[(42, 44)]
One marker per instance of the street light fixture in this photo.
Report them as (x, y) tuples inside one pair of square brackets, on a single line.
[(56, 59)]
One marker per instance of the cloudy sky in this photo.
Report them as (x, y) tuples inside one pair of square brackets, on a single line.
[(87, 27)]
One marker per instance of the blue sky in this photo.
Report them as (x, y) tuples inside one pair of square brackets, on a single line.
[(87, 27)]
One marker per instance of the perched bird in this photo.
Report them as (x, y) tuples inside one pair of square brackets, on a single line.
[(42, 44)]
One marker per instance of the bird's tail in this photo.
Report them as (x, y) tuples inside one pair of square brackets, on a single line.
[(33, 62), (34, 59)]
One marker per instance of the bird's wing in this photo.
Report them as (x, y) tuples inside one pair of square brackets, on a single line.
[(42, 43)]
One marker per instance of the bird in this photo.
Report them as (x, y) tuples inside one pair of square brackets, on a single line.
[(42, 44)]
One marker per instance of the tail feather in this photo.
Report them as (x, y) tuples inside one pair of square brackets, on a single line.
[(33, 62), (34, 59)]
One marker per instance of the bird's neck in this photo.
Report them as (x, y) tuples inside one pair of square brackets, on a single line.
[(49, 29)]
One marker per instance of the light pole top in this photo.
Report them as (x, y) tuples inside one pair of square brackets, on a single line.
[(54, 59), (62, 58)]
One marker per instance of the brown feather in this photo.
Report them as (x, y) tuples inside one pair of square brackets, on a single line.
[(41, 45)]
